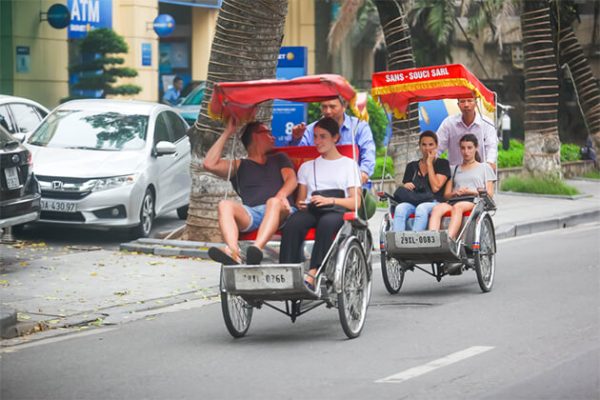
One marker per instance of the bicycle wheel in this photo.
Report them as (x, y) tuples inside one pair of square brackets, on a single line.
[(237, 314), (356, 288), (485, 258), (393, 274)]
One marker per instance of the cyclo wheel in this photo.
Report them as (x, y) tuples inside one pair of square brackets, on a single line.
[(485, 258), (393, 274), (237, 314), (356, 289)]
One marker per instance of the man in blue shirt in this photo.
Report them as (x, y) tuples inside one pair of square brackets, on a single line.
[(303, 135), (172, 94)]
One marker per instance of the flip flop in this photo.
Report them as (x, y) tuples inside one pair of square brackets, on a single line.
[(254, 255), (312, 286), (218, 255)]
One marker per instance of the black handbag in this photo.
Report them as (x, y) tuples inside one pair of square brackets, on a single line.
[(336, 193), (420, 194)]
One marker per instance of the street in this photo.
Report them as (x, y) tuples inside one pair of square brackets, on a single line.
[(536, 335)]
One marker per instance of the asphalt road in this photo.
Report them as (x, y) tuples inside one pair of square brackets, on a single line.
[(535, 336)]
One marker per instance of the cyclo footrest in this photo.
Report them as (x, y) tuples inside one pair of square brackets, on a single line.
[(421, 247), (267, 282)]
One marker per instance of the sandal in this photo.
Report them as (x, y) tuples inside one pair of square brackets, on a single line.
[(254, 255), (311, 285), (218, 255)]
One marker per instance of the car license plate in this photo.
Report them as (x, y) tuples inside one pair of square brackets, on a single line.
[(12, 178), (59, 205), (263, 278), (417, 239)]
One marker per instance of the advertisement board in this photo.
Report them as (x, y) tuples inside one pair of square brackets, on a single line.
[(87, 15)]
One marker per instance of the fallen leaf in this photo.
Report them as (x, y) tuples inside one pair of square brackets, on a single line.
[(23, 317), (94, 273)]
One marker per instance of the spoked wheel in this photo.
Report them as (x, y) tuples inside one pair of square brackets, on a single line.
[(393, 274), (356, 290), (485, 258), (237, 314)]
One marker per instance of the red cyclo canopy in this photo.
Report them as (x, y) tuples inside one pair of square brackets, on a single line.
[(397, 89), (239, 99)]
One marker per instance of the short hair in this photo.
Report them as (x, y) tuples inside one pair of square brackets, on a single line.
[(249, 129), (329, 124), (177, 78), (430, 134)]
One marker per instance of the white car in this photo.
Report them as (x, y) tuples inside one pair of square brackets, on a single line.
[(112, 164), (19, 115)]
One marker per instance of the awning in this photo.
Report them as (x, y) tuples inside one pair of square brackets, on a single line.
[(239, 99), (395, 90), (195, 3)]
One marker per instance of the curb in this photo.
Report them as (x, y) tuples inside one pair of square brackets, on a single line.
[(528, 228), (8, 323), (168, 248)]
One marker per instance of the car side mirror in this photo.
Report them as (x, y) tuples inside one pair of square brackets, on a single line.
[(163, 148), (19, 136)]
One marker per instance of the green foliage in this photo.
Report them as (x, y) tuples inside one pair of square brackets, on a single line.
[(389, 167), (537, 186), (569, 152), (101, 71), (513, 157), (432, 28), (377, 118)]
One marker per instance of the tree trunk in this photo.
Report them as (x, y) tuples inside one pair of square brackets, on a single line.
[(245, 47), (405, 133), (542, 144), (586, 85)]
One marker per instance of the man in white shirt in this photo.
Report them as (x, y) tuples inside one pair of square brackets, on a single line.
[(455, 127)]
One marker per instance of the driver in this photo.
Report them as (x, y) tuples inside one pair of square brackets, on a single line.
[(265, 183)]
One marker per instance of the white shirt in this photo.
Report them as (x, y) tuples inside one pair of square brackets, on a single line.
[(452, 129), (330, 174)]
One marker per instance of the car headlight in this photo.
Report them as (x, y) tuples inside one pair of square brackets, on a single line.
[(114, 182)]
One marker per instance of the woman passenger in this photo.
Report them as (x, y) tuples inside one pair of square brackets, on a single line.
[(430, 174), (329, 171), (467, 179)]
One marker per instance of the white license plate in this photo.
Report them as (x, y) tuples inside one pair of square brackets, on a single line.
[(417, 239), (12, 178), (263, 278), (59, 205)]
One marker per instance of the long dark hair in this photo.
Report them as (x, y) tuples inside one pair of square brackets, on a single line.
[(469, 137)]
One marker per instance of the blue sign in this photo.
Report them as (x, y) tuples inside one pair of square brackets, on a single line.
[(163, 25), (23, 59), (87, 15), (292, 63), (146, 54), (58, 16)]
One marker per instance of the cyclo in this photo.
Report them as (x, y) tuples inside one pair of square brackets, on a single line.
[(345, 276), (475, 246)]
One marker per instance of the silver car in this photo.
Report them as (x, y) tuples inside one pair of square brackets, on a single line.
[(112, 164), (20, 116)]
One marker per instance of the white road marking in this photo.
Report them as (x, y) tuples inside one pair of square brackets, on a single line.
[(433, 365)]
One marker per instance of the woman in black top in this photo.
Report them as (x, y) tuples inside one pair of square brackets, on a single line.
[(427, 174)]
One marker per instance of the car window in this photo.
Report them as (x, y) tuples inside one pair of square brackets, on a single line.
[(26, 117), (5, 138), (41, 112), (6, 120), (177, 126), (92, 130), (195, 97), (161, 129)]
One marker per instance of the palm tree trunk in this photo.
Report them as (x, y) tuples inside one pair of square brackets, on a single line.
[(405, 133), (245, 47), (542, 144), (588, 91)]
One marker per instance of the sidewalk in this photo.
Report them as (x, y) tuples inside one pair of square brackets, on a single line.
[(80, 290)]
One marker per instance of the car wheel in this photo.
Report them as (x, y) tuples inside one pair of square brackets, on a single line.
[(183, 211), (146, 216)]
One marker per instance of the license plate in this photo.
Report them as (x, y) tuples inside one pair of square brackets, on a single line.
[(264, 278), (59, 205), (417, 239), (12, 178)]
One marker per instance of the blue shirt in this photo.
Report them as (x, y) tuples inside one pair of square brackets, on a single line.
[(363, 138), (171, 96)]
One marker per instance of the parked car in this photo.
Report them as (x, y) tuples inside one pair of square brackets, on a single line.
[(189, 107), (19, 190), (112, 164), (20, 116)]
